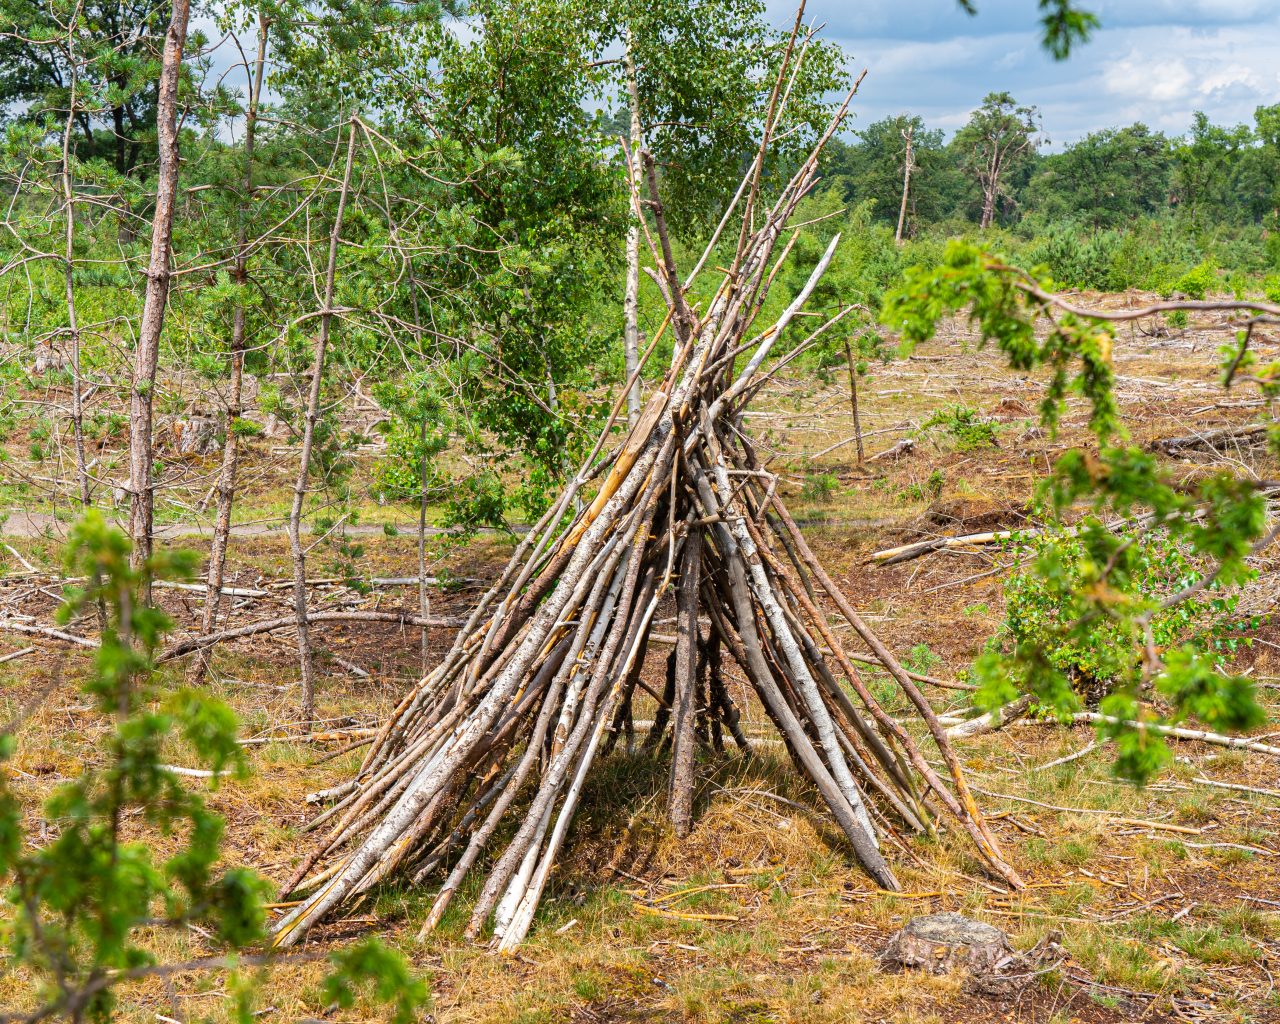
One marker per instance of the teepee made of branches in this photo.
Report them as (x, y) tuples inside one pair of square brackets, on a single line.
[(539, 682)]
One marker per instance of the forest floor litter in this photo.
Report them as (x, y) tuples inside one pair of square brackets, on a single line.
[(1163, 900)]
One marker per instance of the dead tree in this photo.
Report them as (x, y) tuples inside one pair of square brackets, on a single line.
[(73, 320), (226, 485), (907, 164), (525, 697), (306, 662), (159, 271), (853, 399)]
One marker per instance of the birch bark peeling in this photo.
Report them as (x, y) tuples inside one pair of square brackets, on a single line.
[(631, 298), (683, 741)]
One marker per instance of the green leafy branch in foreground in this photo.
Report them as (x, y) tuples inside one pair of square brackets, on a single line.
[(82, 906), (1063, 25), (1094, 580)]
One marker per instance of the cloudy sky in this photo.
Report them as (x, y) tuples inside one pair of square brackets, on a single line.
[(1155, 61)]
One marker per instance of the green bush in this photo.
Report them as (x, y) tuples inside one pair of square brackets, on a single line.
[(1197, 282), (1076, 259), (819, 487), (1038, 607), (965, 426)]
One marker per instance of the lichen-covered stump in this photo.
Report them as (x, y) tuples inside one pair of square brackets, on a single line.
[(941, 943)]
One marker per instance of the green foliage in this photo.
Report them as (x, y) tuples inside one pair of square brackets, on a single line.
[(1064, 25), (965, 426), (922, 658), (927, 490), (1143, 619), (819, 487), (1067, 606), (1196, 283), (418, 432), (385, 972), (871, 170), (1107, 179), (704, 76), (81, 906), (113, 51), (478, 501), (998, 140)]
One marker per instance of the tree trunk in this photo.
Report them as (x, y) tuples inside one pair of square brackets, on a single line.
[(73, 322), (988, 205), (991, 184), (853, 399), (424, 601), (906, 189), (631, 299), (147, 352), (308, 441), (231, 450)]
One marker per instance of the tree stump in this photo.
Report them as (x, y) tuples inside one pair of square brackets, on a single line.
[(940, 943), (195, 435), (48, 359)]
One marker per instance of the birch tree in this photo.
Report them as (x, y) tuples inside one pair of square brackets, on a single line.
[(697, 85)]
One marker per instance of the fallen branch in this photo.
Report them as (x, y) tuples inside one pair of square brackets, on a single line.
[(946, 684), (270, 625), (1082, 752), (330, 736), (57, 634), (1177, 732), (902, 448), (1236, 787), (906, 552), (200, 588), (1210, 440), (991, 721), (194, 773), (13, 551)]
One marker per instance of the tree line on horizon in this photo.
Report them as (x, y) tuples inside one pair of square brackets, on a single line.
[(1212, 175)]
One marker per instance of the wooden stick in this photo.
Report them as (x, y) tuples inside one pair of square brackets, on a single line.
[(1199, 735), (182, 647), (680, 789), (853, 395)]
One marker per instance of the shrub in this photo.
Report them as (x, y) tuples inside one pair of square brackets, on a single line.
[(1073, 621), (965, 426), (819, 487), (1197, 282), (1106, 654)]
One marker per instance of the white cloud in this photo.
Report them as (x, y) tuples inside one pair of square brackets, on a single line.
[(1155, 62), (1134, 79)]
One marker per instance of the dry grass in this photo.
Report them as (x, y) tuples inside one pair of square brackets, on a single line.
[(789, 928)]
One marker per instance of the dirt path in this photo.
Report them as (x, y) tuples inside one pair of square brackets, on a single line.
[(26, 525)]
